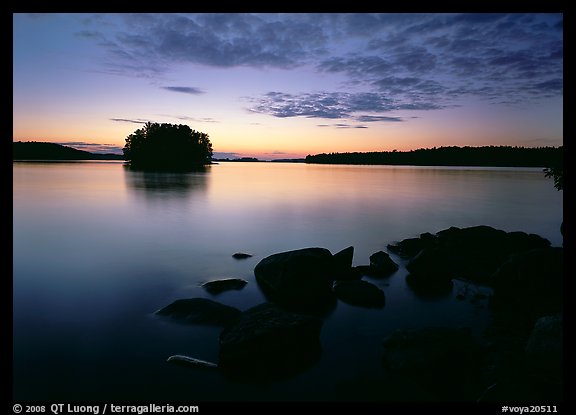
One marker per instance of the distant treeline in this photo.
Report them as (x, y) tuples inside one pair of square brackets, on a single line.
[(33, 150), (491, 156)]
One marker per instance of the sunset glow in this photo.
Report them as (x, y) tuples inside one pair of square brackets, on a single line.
[(287, 85)]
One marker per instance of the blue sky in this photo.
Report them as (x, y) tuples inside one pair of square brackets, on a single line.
[(287, 85)]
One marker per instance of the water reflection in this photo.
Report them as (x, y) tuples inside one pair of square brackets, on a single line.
[(155, 186), (118, 244)]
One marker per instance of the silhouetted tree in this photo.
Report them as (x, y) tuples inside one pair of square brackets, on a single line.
[(557, 173), (450, 156), (167, 147)]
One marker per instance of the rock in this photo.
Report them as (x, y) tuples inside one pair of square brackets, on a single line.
[(200, 311), (521, 242), (428, 272), (409, 247), (383, 264), (344, 258), (433, 285), (267, 342), (528, 368), (360, 293), (342, 264), (299, 280), (350, 274), (430, 348), (427, 239), (219, 286), (431, 262), (544, 349), (365, 270), (530, 283), (241, 255), (473, 253), (446, 362), (191, 362)]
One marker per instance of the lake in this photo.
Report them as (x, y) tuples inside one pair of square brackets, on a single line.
[(97, 249)]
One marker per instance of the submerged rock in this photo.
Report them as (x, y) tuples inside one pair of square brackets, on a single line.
[(360, 293), (267, 342), (225, 284), (191, 362), (299, 280), (200, 311)]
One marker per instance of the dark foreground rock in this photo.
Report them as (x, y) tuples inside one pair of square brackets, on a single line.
[(527, 365), (299, 280), (200, 311), (430, 348), (444, 362), (530, 283), (225, 284), (473, 254), (360, 293), (267, 342), (544, 349)]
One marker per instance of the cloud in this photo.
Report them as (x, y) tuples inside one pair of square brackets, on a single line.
[(509, 58), (134, 121), (93, 147), (340, 125), (220, 40), (184, 89), (378, 118), (193, 119), (338, 105), (412, 61)]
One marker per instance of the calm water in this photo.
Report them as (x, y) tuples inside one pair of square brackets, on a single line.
[(97, 249)]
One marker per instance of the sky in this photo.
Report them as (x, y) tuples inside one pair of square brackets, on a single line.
[(282, 85)]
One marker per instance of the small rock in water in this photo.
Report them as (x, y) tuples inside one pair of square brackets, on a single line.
[(241, 255), (382, 264), (218, 286)]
